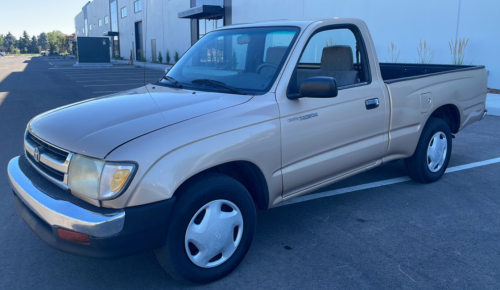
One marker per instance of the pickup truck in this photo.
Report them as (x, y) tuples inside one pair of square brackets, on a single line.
[(251, 116)]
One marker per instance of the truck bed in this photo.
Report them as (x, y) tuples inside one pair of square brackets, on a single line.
[(396, 72)]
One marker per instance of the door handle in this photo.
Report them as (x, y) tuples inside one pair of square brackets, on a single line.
[(372, 104)]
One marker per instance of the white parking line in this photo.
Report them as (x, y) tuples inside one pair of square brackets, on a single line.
[(109, 85), (117, 73), (103, 92), (381, 183), (136, 79)]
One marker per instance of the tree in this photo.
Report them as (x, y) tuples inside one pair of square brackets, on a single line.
[(43, 41), (57, 41), (34, 45), (24, 42), (9, 42), (2, 37)]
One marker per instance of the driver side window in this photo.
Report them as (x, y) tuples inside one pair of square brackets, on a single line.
[(330, 53)]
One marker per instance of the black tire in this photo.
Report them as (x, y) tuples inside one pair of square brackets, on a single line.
[(416, 165), (192, 197)]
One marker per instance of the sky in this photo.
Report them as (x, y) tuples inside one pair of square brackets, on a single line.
[(38, 16)]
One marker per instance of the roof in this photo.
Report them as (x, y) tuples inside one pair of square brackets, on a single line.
[(302, 23)]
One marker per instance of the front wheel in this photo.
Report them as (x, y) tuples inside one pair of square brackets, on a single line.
[(432, 155), (211, 229)]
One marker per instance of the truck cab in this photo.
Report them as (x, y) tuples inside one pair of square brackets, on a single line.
[(251, 116)]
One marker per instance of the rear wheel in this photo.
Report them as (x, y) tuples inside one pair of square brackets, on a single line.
[(432, 155), (210, 231)]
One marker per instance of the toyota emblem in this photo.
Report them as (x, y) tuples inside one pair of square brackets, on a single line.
[(36, 155)]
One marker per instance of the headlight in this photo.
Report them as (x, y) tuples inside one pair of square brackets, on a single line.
[(97, 179)]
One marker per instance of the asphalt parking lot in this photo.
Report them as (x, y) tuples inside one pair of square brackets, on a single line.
[(387, 235)]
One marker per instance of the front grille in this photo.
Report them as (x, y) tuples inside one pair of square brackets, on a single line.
[(59, 176), (50, 161), (62, 154)]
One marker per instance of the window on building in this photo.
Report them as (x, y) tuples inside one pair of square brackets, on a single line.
[(114, 15), (90, 27), (106, 19), (124, 12), (138, 6), (207, 25), (100, 22)]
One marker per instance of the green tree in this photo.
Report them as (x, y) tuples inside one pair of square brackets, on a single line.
[(24, 42), (34, 45), (43, 41), (9, 42), (2, 37), (57, 41), (14, 50), (168, 56)]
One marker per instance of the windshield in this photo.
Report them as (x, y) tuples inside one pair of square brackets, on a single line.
[(237, 60)]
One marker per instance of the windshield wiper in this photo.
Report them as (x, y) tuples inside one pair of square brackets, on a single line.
[(218, 84), (172, 80)]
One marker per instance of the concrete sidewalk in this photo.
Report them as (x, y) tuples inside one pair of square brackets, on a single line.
[(493, 104), (155, 66)]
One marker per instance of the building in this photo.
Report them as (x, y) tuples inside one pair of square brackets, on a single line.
[(144, 28)]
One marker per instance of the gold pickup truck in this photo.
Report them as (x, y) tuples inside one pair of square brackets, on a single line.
[(251, 116)]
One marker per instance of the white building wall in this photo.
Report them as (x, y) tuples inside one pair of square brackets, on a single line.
[(97, 10), (127, 27), (401, 22), (79, 25)]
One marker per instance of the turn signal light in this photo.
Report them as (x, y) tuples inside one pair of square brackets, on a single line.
[(119, 179), (73, 236)]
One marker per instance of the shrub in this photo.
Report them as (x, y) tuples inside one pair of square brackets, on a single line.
[(168, 56), (143, 59), (160, 57), (457, 50), (176, 56)]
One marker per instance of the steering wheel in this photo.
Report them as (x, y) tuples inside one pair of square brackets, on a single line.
[(264, 65)]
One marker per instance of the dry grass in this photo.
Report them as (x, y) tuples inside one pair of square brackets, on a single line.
[(425, 53), (393, 53), (457, 50)]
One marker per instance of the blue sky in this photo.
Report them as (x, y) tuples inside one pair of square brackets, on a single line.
[(38, 16)]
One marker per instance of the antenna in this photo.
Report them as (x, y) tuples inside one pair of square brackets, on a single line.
[(145, 38)]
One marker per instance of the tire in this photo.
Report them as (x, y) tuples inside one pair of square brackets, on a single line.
[(428, 168), (196, 202)]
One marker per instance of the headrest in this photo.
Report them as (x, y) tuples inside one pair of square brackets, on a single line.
[(337, 58), (275, 54)]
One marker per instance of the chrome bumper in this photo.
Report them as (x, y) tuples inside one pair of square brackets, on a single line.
[(60, 213)]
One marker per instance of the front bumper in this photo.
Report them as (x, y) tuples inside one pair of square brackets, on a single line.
[(113, 233)]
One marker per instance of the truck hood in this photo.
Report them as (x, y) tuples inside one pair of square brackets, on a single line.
[(95, 127)]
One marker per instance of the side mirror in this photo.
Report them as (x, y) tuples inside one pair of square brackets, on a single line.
[(167, 70), (317, 87)]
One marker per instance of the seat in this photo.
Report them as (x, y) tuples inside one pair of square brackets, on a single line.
[(337, 62), (274, 55)]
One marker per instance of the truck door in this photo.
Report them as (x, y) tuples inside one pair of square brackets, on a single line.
[(325, 138)]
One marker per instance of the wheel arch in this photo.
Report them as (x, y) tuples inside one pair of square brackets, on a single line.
[(246, 173), (450, 114)]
